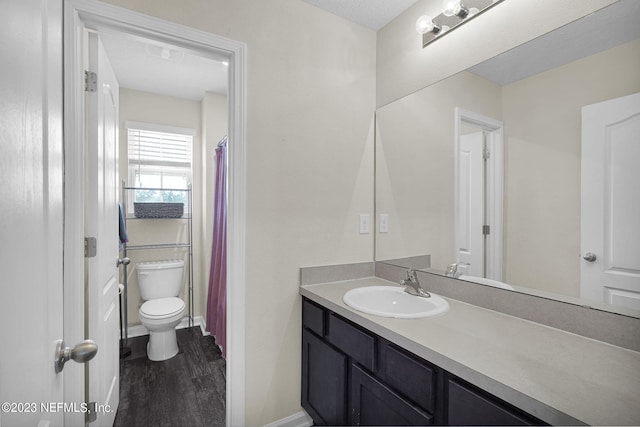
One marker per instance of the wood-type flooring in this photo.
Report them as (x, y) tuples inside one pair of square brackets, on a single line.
[(186, 390)]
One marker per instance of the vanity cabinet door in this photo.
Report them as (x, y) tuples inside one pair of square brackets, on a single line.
[(324, 381), (373, 403), (409, 375), (468, 406)]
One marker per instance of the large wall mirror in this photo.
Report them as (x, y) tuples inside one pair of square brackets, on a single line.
[(522, 171)]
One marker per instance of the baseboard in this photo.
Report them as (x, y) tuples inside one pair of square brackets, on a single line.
[(299, 419), (139, 330)]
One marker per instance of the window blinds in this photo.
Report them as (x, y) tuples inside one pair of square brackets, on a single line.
[(159, 148)]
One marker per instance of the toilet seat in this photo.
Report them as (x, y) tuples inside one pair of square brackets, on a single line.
[(162, 308)]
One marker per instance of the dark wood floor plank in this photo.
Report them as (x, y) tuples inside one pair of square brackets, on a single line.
[(210, 348), (211, 398), (183, 405), (188, 389), (197, 362)]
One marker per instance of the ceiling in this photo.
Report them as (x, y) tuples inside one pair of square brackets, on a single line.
[(373, 14), (154, 67)]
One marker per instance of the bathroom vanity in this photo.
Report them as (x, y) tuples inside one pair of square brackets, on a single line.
[(470, 366), (388, 385)]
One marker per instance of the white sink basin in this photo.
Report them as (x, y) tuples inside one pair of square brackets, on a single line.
[(393, 301)]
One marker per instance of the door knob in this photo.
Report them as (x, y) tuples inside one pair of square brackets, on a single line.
[(122, 261), (589, 256), (81, 353)]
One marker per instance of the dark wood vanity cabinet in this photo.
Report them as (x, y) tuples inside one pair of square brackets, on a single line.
[(468, 405), (375, 403), (351, 376)]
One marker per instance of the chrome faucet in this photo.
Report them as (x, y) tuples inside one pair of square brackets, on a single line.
[(453, 270), (413, 286)]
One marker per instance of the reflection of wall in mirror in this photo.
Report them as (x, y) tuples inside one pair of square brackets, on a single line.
[(542, 117), (414, 164)]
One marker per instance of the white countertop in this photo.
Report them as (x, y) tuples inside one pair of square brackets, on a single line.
[(559, 377)]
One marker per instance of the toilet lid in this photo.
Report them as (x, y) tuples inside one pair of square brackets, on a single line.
[(162, 307)]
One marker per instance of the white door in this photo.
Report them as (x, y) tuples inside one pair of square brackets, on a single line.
[(610, 224), (101, 222), (31, 213), (470, 218)]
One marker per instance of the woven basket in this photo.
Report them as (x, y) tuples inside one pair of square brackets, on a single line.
[(158, 210)]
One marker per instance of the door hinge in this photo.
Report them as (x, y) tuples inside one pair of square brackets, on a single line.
[(90, 81), (486, 154), (92, 413), (486, 230), (90, 247)]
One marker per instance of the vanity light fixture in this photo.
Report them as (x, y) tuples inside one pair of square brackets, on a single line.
[(454, 8), (454, 14)]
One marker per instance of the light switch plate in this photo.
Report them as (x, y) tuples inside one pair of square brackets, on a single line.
[(364, 223), (384, 223)]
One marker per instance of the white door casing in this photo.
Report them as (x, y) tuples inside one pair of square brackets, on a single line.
[(101, 16), (31, 213), (610, 202), (494, 188), (470, 245), (101, 222)]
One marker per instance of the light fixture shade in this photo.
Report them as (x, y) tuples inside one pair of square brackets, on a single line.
[(424, 24), (451, 7)]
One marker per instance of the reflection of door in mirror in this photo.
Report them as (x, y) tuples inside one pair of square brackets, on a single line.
[(479, 172), (610, 229), (470, 218)]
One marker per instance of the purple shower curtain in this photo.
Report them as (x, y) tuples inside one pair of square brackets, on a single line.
[(217, 298)]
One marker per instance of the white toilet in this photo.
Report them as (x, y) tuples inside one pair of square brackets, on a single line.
[(160, 283)]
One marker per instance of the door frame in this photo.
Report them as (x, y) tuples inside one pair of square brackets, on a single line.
[(95, 15), (495, 186)]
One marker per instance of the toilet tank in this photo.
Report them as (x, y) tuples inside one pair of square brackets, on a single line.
[(160, 279)]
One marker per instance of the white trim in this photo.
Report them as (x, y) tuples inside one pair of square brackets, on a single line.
[(495, 186), (104, 17), (299, 419), (236, 238), (152, 127)]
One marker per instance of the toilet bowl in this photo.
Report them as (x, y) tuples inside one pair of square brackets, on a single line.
[(160, 283), (161, 316)]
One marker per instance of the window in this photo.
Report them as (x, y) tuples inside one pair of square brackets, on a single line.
[(159, 162)]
